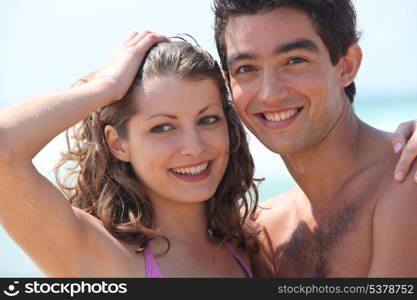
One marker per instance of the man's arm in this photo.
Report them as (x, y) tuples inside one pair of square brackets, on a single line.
[(395, 230)]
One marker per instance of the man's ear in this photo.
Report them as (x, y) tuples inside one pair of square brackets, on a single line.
[(350, 64), (117, 146)]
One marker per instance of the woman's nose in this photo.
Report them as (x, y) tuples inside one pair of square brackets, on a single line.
[(192, 143)]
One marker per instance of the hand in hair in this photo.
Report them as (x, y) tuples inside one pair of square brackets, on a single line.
[(120, 70)]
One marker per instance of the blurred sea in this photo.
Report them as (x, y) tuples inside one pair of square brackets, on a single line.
[(381, 111)]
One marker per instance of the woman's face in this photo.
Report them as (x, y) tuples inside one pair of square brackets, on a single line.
[(178, 142)]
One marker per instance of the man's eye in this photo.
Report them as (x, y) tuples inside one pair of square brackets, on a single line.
[(161, 128), (296, 60), (208, 120), (244, 69)]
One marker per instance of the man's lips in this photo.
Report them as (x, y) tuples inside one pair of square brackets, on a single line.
[(279, 119)]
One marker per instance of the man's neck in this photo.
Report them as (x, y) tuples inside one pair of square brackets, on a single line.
[(345, 152)]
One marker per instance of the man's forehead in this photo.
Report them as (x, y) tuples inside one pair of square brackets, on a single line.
[(245, 33)]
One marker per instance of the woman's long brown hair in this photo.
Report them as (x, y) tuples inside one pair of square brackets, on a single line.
[(109, 189)]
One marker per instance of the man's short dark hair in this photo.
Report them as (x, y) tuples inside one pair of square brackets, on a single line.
[(334, 20)]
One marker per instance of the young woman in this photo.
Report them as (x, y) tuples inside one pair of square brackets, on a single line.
[(161, 181)]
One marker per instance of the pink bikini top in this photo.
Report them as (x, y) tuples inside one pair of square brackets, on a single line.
[(152, 269)]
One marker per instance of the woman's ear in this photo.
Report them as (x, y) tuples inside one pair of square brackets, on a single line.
[(350, 64), (225, 76), (116, 145)]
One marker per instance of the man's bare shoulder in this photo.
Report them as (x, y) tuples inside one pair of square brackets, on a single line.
[(276, 211), (274, 217), (396, 200), (394, 229)]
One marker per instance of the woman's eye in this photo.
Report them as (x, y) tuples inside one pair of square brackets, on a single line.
[(296, 60), (244, 69), (209, 120), (161, 128)]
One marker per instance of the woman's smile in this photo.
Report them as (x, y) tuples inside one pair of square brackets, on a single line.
[(193, 173)]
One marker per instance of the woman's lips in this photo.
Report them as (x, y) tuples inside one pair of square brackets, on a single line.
[(193, 173)]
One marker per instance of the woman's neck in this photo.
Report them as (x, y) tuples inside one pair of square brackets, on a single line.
[(182, 223)]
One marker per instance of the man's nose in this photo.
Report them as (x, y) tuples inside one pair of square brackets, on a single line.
[(273, 88), (191, 143)]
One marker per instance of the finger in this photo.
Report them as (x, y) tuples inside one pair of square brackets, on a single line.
[(140, 36), (130, 36), (401, 134), (148, 42), (408, 156), (163, 38)]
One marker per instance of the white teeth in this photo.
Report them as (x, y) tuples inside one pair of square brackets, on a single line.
[(196, 170), (280, 116)]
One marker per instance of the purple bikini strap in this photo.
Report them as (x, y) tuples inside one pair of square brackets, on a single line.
[(151, 267), (240, 261)]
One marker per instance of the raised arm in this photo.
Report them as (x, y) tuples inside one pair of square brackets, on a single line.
[(405, 142), (32, 210)]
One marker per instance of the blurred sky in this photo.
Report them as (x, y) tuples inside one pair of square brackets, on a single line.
[(47, 44)]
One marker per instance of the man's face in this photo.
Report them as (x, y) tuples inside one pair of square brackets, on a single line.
[(284, 86)]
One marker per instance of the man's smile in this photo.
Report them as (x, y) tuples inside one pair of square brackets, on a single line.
[(279, 118)]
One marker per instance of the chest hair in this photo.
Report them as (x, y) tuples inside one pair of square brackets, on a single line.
[(307, 252)]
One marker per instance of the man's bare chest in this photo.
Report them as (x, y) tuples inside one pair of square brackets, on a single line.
[(337, 247)]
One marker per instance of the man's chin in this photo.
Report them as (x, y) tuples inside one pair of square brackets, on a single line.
[(283, 146)]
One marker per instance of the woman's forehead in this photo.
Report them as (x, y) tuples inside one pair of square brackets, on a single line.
[(170, 93)]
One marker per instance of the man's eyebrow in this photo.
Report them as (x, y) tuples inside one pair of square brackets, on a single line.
[(239, 56), (301, 44)]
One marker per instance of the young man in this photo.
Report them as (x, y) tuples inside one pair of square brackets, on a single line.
[(291, 66)]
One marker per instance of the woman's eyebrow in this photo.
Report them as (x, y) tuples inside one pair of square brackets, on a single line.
[(174, 117), (207, 107), (162, 115)]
